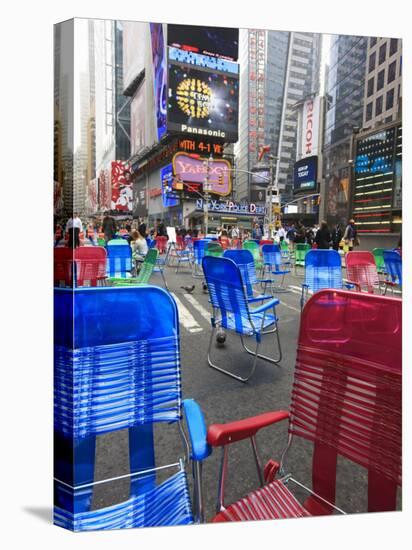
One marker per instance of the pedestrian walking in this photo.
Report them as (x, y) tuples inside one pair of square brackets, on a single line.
[(74, 227), (323, 237), (257, 232), (109, 227), (351, 235), (337, 235)]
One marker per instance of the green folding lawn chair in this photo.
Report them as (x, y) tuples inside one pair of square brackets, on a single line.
[(253, 247), (214, 249), (144, 274), (301, 249), (379, 261)]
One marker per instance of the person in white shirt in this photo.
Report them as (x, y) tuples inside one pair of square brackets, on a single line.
[(139, 247), (281, 233), (74, 227)]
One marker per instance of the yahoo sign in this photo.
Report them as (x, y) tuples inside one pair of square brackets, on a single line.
[(193, 169)]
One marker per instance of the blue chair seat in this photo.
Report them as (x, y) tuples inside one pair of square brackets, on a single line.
[(281, 271), (231, 323), (166, 504)]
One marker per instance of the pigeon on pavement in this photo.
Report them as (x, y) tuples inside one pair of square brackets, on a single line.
[(188, 289)]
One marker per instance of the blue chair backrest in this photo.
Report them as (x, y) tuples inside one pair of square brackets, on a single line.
[(226, 290), (323, 269), (151, 243), (244, 260), (119, 368), (119, 258), (199, 247), (272, 255), (393, 265)]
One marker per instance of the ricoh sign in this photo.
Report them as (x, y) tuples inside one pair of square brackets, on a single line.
[(309, 138)]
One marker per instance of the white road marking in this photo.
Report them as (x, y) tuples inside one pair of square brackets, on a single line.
[(203, 311), (185, 317)]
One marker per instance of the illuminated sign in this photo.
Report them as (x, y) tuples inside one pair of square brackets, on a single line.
[(194, 98), (231, 207), (203, 61), (203, 103), (212, 41), (305, 174), (188, 168), (260, 176), (170, 197), (203, 147)]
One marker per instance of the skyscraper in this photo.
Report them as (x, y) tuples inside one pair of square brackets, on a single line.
[(278, 69), (344, 90)]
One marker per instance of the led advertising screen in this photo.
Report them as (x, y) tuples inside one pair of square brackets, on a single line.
[(170, 198), (160, 75), (201, 103), (260, 176), (305, 174), (213, 41)]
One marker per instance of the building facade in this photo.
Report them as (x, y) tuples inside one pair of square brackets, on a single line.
[(278, 69), (344, 91)]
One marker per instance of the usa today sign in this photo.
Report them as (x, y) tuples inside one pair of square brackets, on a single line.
[(305, 174)]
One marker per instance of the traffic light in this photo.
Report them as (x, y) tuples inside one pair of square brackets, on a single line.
[(177, 184)]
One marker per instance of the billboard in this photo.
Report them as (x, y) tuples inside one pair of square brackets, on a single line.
[(138, 120), (91, 199), (202, 103), (159, 76), (211, 41), (258, 195), (309, 128), (104, 189), (203, 61), (260, 176), (122, 190), (133, 53), (170, 198), (193, 169), (305, 174)]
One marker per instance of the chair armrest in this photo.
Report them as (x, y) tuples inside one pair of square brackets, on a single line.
[(263, 280), (264, 307), (223, 434), (351, 284), (197, 430), (259, 298)]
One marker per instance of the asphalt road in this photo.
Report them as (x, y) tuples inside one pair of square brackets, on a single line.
[(224, 399)]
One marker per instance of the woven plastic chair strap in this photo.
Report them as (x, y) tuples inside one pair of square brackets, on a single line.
[(365, 275), (349, 407), (166, 504), (111, 387)]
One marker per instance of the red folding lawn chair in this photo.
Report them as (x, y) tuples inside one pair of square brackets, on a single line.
[(361, 270), (346, 401)]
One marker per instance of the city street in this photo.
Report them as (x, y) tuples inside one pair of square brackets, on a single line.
[(224, 399)]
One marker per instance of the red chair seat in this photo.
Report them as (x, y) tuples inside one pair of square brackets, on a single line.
[(274, 501)]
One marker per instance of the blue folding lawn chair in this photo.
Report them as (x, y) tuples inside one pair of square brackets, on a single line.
[(199, 249), (120, 369), (245, 262), (393, 268), (231, 311), (323, 269), (119, 259), (273, 262), (185, 255)]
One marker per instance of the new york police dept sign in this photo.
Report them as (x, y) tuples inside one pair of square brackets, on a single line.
[(230, 207)]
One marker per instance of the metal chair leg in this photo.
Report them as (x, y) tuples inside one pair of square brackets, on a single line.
[(265, 357), (224, 371)]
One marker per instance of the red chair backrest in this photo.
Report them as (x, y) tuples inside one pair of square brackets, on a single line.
[(346, 395), (361, 269), (180, 242), (63, 265), (90, 265), (224, 242), (161, 243), (265, 241)]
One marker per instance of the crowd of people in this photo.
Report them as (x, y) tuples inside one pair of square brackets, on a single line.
[(74, 233)]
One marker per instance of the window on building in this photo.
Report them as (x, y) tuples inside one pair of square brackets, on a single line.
[(380, 80), (382, 53), (392, 72), (389, 99), (393, 48), (369, 108), (371, 82), (372, 41), (379, 105), (372, 62)]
